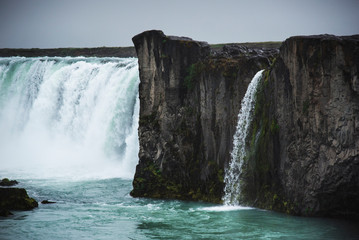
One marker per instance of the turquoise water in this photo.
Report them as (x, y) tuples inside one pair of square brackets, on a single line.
[(103, 209)]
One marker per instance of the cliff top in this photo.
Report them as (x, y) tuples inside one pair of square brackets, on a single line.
[(326, 37), (317, 40), (160, 35), (217, 50), (225, 50)]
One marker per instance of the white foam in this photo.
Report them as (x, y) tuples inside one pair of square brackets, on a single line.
[(233, 173), (69, 117), (225, 208)]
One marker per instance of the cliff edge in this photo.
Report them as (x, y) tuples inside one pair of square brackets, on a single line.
[(303, 143), (306, 158), (189, 101)]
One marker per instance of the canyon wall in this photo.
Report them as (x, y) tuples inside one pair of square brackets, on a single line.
[(302, 149), (305, 141), (189, 101)]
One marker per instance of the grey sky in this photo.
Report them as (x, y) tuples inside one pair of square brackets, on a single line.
[(95, 23)]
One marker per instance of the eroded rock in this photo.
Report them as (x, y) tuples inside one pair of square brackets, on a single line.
[(312, 158), (189, 102)]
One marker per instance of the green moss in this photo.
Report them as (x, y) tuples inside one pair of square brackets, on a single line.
[(305, 107), (220, 175), (193, 72), (274, 126), (261, 185), (273, 201), (151, 181), (274, 60), (189, 111), (7, 182), (16, 199), (187, 44), (149, 120), (220, 45)]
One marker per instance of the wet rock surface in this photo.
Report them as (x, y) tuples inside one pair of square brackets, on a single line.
[(189, 102), (5, 182), (15, 199), (47, 202), (311, 143)]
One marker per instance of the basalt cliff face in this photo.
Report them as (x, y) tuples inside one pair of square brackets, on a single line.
[(305, 136), (189, 101), (303, 144)]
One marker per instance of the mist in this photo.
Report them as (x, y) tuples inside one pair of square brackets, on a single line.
[(69, 117)]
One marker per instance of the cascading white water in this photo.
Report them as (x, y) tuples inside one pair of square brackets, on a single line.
[(233, 173), (68, 117)]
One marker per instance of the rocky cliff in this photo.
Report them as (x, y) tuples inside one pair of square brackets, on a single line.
[(304, 156), (303, 144), (190, 97)]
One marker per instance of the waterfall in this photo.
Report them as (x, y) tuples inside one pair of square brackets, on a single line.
[(69, 117), (233, 173)]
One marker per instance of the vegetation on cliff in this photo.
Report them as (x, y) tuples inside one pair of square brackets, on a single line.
[(303, 142), (302, 153), (186, 128)]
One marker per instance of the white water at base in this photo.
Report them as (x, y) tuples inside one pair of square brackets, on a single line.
[(225, 208), (73, 118), (233, 173)]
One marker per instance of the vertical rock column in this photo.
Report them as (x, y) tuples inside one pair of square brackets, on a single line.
[(307, 161), (189, 102), (168, 127)]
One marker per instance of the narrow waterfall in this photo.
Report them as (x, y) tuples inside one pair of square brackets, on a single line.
[(233, 173), (68, 117)]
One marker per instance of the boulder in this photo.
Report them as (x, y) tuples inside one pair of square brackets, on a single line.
[(5, 182), (15, 199), (47, 202)]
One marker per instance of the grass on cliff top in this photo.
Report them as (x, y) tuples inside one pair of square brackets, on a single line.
[(272, 44)]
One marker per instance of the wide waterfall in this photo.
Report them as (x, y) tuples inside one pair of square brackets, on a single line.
[(68, 117), (233, 173)]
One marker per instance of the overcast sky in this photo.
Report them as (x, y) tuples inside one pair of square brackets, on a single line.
[(95, 23)]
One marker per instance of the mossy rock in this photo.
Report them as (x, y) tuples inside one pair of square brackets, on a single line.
[(5, 182), (16, 199), (150, 182), (5, 213), (261, 186)]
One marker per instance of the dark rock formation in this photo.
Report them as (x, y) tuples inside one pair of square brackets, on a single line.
[(189, 100), (5, 182), (5, 213), (123, 52), (303, 146), (306, 158), (15, 199), (47, 202)]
